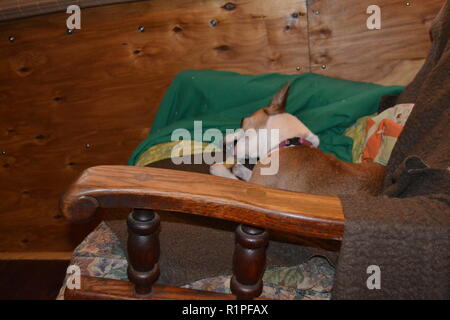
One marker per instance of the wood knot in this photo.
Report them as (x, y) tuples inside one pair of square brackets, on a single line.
[(223, 48), (177, 29), (229, 6), (322, 33), (322, 59), (24, 70), (40, 137), (326, 32)]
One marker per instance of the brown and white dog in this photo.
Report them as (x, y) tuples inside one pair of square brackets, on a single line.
[(301, 168)]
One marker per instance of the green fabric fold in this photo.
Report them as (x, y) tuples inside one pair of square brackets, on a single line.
[(220, 100)]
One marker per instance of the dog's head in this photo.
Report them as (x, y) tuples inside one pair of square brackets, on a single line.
[(260, 118), (249, 139)]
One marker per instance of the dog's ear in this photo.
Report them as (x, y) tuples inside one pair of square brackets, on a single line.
[(278, 104)]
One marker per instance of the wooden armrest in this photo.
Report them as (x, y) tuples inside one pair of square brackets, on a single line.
[(207, 195)]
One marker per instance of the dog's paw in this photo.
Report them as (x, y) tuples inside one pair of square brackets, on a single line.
[(242, 172), (315, 141), (219, 169)]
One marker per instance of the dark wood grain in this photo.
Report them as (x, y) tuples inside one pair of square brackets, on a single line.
[(70, 102), (143, 249), (170, 190), (342, 45), (249, 262), (108, 289)]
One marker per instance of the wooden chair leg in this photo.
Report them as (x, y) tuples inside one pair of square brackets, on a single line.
[(249, 262), (143, 249)]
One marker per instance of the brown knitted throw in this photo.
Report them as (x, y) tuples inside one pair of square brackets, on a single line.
[(406, 231)]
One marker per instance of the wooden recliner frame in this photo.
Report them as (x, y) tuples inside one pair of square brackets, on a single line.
[(144, 189)]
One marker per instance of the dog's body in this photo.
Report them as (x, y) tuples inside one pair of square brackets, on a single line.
[(301, 168), (309, 170)]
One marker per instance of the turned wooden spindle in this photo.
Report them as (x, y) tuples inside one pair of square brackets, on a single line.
[(249, 262), (143, 249)]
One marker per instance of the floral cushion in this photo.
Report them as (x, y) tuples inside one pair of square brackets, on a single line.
[(101, 255)]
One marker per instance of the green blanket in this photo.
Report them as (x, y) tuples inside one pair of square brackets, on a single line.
[(220, 99)]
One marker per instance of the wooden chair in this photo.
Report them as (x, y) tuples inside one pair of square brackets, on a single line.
[(144, 189)]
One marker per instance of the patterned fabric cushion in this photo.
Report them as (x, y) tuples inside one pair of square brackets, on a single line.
[(357, 132), (101, 255)]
